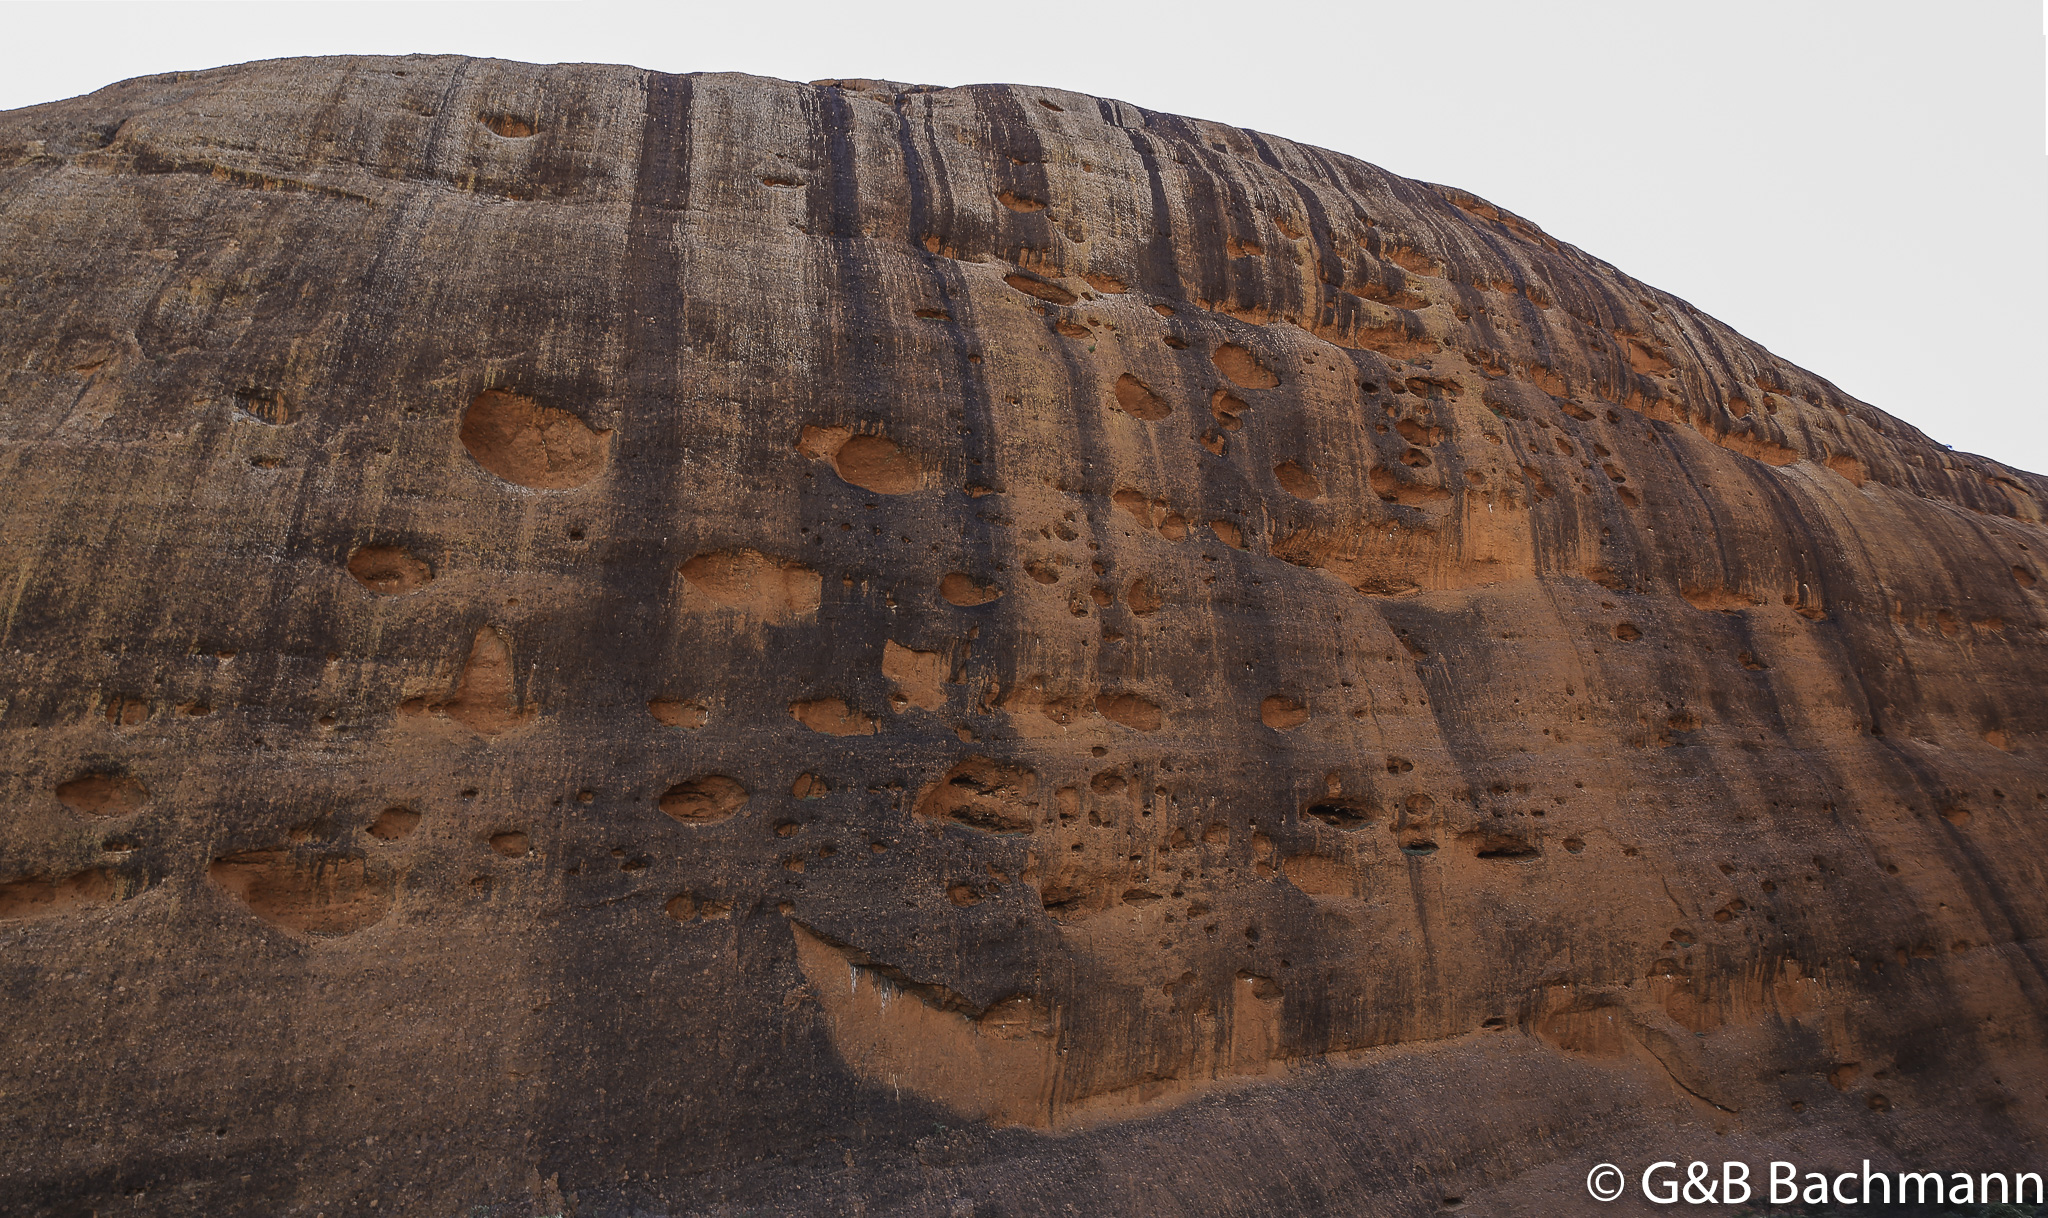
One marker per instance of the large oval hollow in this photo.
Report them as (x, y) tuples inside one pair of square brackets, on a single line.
[(704, 800), (389, 570), (532, 445)]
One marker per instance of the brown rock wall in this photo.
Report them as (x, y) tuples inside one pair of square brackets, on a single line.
[(623, 642)]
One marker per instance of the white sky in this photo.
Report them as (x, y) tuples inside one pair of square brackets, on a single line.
[(1860, 185)]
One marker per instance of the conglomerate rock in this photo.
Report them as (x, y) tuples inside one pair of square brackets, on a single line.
[(582, 640)]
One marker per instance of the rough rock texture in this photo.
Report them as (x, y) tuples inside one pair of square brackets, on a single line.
[(583, 640)]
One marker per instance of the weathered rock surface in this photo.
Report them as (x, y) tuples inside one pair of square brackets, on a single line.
[(584, 639)]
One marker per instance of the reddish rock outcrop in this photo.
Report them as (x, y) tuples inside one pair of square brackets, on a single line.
[(745, 646)]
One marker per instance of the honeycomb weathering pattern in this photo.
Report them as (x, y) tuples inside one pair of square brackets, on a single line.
[(1269, 682)]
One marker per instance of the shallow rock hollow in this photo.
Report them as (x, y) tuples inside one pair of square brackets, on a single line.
[(581, 640)]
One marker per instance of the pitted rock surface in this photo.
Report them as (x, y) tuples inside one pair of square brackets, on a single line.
[(581, 640)]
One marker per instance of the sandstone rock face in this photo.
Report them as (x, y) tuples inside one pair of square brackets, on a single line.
[(579, 640)]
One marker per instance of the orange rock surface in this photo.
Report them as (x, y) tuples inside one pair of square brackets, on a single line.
[(581, 640)]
